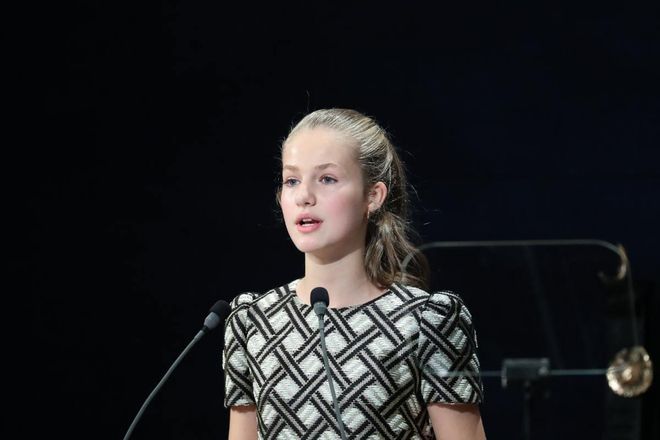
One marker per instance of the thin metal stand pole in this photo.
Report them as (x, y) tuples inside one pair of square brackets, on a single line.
[(527, 411)]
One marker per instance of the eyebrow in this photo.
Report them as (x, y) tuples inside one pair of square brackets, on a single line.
[(323, 166)]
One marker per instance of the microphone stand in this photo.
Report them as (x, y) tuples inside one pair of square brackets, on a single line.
[(148, 400), (320, 300), (330, 381), (218, 313)]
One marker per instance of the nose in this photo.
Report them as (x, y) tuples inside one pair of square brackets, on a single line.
[(305, 195)]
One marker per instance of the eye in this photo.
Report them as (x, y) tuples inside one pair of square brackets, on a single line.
[(290, 182), (328, 179)]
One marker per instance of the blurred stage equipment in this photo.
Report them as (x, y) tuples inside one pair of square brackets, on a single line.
[(629, 374)]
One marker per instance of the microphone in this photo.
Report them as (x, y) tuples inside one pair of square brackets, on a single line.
[(218, 314), (320, 300)]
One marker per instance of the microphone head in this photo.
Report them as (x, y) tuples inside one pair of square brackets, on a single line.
[(218, 314), (319, 299), (221, 308), (319, 294)]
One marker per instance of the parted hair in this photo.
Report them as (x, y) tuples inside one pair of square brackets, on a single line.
[(388, 232)]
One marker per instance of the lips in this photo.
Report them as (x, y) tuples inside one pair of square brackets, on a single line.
[(307, 223), (306, 219)]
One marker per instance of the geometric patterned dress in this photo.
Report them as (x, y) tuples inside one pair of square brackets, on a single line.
[(389, 358)]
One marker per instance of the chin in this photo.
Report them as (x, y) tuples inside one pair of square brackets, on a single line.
[(303, 244), (323, 253), (307, 247)]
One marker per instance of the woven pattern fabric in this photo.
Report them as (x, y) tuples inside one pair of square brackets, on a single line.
[(389, 359)]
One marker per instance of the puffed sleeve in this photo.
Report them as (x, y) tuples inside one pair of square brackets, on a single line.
[(447, 352), (238, 378)]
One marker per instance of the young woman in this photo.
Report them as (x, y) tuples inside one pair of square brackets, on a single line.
[(403, 361)]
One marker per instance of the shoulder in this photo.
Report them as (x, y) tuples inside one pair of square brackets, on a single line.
[(409, 295), (247, 301), (438, 301), (433, 306), (243, 300), (445, 310), (445, 301)]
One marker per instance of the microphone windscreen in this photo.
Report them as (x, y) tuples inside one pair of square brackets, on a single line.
[(221, 308), (319, 294), (218, 314)]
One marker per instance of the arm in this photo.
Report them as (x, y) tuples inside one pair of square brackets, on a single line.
[(456, 421), (243, 422)]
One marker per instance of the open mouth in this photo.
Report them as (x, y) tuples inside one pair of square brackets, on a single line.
[(308, 221)]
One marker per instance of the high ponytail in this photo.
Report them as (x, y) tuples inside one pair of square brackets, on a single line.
[(388, 232)]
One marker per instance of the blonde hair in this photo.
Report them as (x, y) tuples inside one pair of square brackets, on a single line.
[(387, 243)]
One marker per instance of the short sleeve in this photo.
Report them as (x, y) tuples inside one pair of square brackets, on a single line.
[(238, 378), (447, 352)]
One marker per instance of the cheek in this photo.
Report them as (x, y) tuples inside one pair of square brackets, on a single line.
[(286, 205), (288, 213), (350, 210)]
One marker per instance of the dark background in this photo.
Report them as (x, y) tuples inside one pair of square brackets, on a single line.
[(147, 170)]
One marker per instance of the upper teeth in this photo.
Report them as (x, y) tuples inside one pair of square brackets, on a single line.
[(306, 220)]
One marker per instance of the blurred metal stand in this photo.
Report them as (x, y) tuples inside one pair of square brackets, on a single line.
[(530, 372), (629, 374)]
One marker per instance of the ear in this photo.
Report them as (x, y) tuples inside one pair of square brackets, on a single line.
[(377, 195)]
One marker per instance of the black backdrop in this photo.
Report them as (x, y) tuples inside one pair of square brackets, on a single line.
[(147, 171)]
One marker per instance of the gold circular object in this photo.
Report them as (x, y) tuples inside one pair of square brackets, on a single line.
[(631, 372)]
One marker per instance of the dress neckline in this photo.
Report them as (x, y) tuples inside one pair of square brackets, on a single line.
[(292, 288)]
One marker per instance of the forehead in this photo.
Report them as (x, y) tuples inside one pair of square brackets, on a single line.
[(313, 146)]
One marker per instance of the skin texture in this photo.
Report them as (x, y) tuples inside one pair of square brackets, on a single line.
[(243, 423), (456, 421), (322, 179)]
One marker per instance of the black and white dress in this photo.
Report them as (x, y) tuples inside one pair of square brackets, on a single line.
[(389, 357)]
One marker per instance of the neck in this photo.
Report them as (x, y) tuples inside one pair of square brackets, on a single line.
[(345, 279)]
